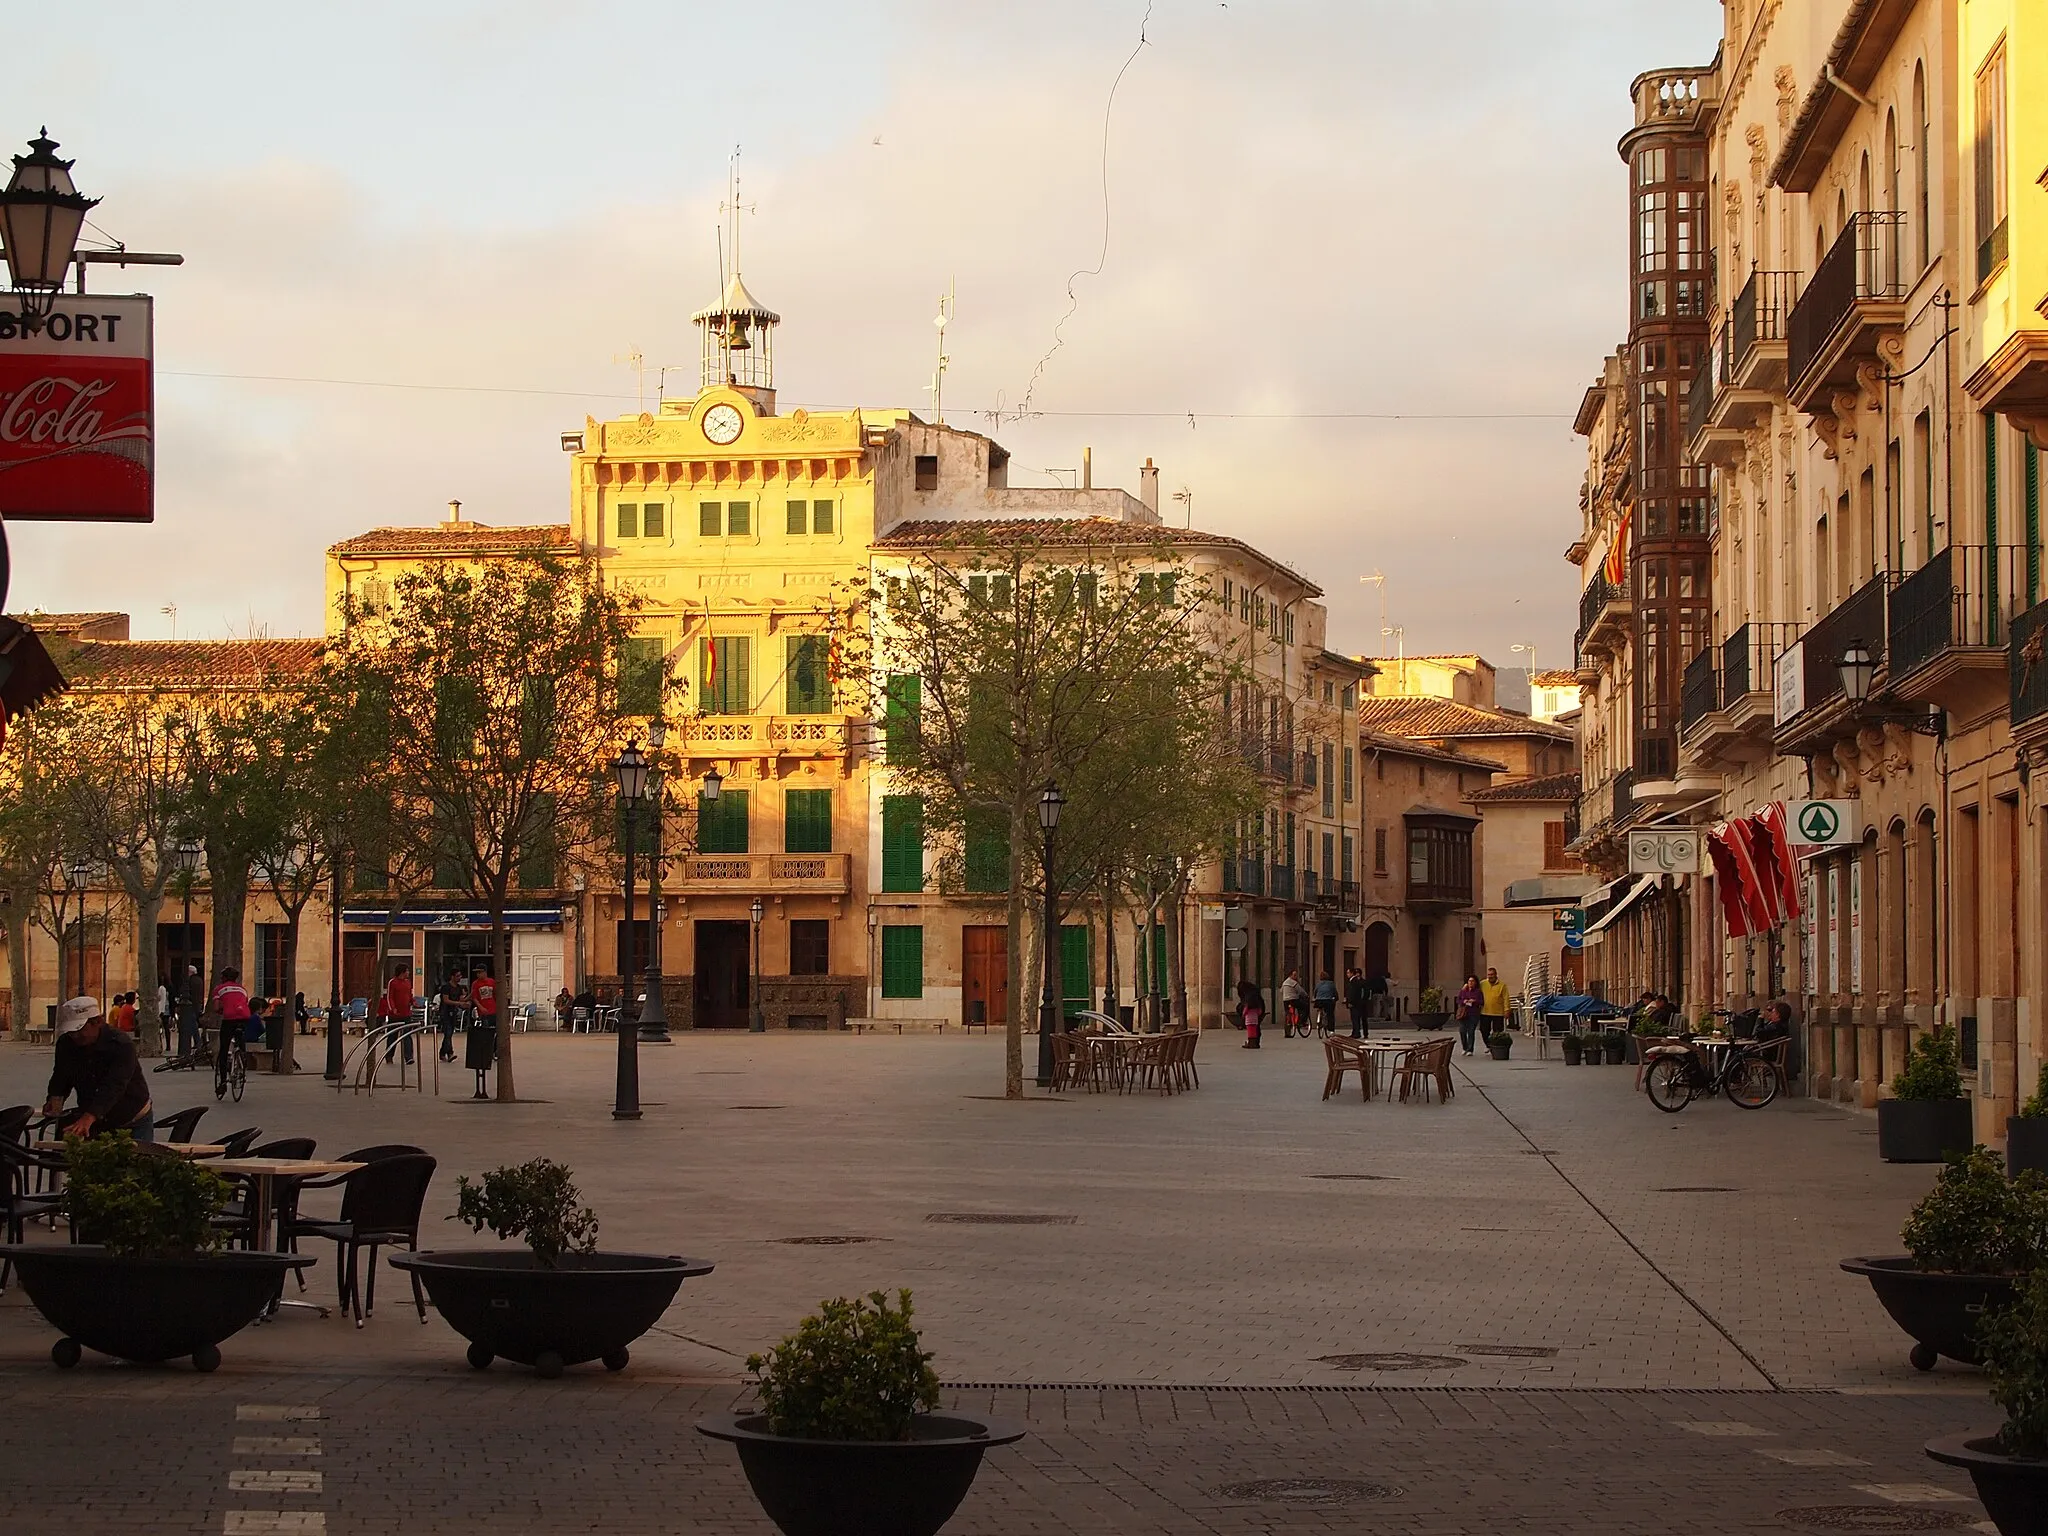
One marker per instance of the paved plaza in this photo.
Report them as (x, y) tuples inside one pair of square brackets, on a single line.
[(1542, 1302)]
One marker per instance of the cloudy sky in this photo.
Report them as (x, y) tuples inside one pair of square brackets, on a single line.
[(418, 236)]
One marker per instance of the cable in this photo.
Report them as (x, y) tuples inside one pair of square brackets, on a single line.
[(1102, 260)]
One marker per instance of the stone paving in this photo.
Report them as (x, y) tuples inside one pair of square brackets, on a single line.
[(1507, 1307)]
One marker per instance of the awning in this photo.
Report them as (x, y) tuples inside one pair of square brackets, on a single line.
[(450, 917), (1643, 883), (1599, 893)]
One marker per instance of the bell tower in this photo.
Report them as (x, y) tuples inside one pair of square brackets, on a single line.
[(738, 333)]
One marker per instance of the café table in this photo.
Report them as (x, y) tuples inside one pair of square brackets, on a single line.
[(263, 1174), (194, 1149)]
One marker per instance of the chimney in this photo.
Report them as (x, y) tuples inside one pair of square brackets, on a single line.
[(1087, 469), (454, 515), (1148, 487)]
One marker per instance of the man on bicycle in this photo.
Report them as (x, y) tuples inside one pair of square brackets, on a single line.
[(231, 1002)]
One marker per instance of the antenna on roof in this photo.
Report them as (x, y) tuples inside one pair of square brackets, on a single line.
[(638, 363), (939, 373)]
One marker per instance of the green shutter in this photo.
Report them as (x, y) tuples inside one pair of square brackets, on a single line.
[(724, 682), (903, 960), (799, 514), (652, 517), (1077, 968), (639, 663), (807, 821), (1991, 631), (2033, 513), (626, 520), (739, 518), (537, 848), (821, 517), (903, 706), (902, 843), (710, 519), (722, 823), (988, 852), (808, 676)]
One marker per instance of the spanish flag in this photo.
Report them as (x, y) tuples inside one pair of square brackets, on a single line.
[(1616, 567)]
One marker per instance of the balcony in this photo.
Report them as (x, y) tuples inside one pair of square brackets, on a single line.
[(764, 874), (1251, 876), (1818, 688), (1757, 330), (1855, 300), (1604, 614), (1283, 882), (2027, 668), (1949, 623), (1699, 695), (1738, 726), (724, 736)]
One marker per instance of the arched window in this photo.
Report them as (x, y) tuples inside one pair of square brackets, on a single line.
[(1923, 132), (1891, 162)]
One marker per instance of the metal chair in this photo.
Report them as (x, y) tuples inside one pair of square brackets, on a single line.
[(18, 1204), (238, 1143), (179, 1126), (380, 1206)]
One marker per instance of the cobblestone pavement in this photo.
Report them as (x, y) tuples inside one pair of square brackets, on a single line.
[(1506, 1306)]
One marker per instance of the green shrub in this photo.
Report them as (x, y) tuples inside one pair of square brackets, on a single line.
[(140, 1204), (2014, 1341), (2036, 1108), (1432, 1000), (535, 1201), (853, 1371), (1932, 1070), (1976, 1221)]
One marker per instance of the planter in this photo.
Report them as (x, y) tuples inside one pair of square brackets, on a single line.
[(1430, 1020), (1924, 1130), (1572, 1050), (1591, 1054), (1938, 1312), (861, 1488), (1615, 1048), (2026, 1145), (148, 1310), (1499, 1045), (589, 1308), (2012, 1489)]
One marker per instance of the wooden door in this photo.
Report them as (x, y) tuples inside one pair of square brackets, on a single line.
[(359, 968), (722, 978), (984, 974)]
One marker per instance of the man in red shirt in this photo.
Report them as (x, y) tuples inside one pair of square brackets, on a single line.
[(397, 1009), (231, 1003), (481, 1047)]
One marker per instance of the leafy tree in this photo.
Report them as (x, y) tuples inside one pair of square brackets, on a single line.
[(496, 686), (36, 842)]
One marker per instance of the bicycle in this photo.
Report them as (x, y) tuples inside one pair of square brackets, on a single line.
[(1676, 1076), (185, 1061), (232, 1075)]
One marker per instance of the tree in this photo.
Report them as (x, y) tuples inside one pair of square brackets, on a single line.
[(36, 842), (1002, 666), (498, 685)]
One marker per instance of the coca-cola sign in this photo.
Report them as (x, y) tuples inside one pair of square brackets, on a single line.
[(78, 412)]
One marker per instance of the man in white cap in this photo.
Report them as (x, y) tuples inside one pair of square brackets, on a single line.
[(99, 1065)]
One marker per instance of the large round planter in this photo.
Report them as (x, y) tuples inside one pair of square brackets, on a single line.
[(148, 1310), (861, 1488), (1500, 1045), (2012, 1489), (1924, 1130), (1429, 1020), (2026, 1145), (589, 1307), (1939, 1312)]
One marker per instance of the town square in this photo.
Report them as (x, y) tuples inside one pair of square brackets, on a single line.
[(857, 792)]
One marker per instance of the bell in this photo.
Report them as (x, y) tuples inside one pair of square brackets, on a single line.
[(737, 340)]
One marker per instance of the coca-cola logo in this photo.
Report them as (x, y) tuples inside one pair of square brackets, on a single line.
[(60, 412)]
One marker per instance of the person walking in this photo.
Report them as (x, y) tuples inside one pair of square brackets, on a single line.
[(302, 1016), (1293, 1003), (1252, 1004), (1376, 996), (448, 1008), (396, 1008), (231, 1006), (1357, 1000), (1326, 1005), (99, 1065), (1467, 1010), (1493, 1003), (191, 993)]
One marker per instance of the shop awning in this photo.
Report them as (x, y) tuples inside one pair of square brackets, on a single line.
[(450, 917), (1635, 894)]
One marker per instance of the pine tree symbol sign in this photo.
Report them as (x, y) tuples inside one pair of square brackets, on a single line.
[(1818, 822)]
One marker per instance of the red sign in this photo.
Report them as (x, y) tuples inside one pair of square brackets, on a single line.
[(78, 412)]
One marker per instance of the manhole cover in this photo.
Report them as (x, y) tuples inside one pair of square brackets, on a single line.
[(1382, 1178), (1511, 1351), (1308, 1490), (997, 1219), (1696, 1189), (1390, 1362), (757, 1106), (1875, 1517), (820, 1242)]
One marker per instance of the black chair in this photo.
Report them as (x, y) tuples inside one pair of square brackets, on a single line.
[(19, 1205), (378, 1154), (179, 1127), (238, 1218), (296, 1149), (14, 1122), (380, 1206), (238, 1143), (375, 1154)]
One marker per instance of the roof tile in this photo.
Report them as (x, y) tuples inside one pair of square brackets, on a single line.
[(1070, 533), (1434, 719)]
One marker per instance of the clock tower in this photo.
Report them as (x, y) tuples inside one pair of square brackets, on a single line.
[(738, 332)]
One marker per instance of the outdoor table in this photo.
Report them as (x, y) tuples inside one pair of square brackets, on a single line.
[(1113, 1049), (263, 1174), (195, 1149), (1380, 1052)]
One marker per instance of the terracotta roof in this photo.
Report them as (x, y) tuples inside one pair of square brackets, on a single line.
[(463, 538), (1549, 679), (1070, 533), (189, 663), (1404, 746), (1550, 788), (1435, 719), (63, 623), (1430, 656)]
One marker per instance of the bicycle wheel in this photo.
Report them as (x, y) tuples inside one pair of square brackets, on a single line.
[(1752, 1083), (238, 1076), (1669, 1084)]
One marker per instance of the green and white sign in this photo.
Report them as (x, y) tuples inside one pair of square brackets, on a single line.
[(1823, 823)]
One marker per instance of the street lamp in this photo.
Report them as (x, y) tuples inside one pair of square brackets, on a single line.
[(1050, 804), (759, 1025), (654, 1011), (75, 876), (186, 855), (41, 214), (631, 769), (1858, 671)]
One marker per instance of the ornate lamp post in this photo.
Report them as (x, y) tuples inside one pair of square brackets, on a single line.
[(631, 769), (1859, 672), (654, 1012), (41, 214), (187, 855), (75, 876), (759, 1025), (1050, 803)]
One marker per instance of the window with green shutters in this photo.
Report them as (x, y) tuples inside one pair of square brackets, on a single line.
[(2031, 490), (653, 517), (822, 516), (1077, 968), (807, 821), (724, 681), (538, 848), (809, 517), (722, 823), (808, 677), (456, 709), (902, 843), (902, 960), (639, 663), (626, 520), (902, 709), (739, 519), (710, 519), (988, 852)]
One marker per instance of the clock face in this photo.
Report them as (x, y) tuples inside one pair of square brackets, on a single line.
[(722, 423)]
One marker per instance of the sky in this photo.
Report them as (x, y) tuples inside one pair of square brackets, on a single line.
[(1359, 260)]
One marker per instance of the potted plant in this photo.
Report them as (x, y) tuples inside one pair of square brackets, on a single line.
[(2026, 1133), (150, 1281), (1927, 1118), (1966, 1242), (848, 1441), (1591, 1052), (2010, 1468), (1615, 1046), (1430, 1012), (1573, 1045), (1499, 1044), (562, 1301)]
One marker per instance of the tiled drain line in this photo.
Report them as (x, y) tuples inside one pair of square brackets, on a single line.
[(1651, 1264), (284, 1436)]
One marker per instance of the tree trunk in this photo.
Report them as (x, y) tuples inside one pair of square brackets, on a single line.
[(1110, 992), (286, 1061), (149, 1024), (1176, 962), (1014, 973), (16, 922), (501, 968), (230, 882)]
